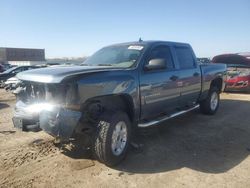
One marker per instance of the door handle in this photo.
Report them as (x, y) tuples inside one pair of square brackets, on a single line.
[(196, 74), (174, 78)]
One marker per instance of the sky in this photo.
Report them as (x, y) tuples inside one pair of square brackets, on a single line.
[(75, 28)]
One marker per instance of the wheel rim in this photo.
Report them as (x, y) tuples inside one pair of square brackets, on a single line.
[(119, 138), (214, 101)]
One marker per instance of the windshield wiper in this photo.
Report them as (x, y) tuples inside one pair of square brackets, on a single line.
[(105, 64)]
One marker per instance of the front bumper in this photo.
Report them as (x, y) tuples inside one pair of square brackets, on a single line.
[(242, 85), (60, 123), (57, 121), (25, 120)]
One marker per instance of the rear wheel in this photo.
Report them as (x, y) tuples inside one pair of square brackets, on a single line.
[(211, 104), (112, 137)]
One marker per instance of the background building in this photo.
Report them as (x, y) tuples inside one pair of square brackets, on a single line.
[(22, 56)]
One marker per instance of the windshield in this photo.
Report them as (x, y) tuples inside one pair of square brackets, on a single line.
[(116, 56), (9, 70)]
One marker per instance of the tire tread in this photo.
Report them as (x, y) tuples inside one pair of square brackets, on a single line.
[(101, 142)]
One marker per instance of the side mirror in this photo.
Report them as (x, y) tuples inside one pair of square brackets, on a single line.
[(156, 64)]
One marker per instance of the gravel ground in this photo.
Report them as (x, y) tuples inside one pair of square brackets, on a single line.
[(193, 150)]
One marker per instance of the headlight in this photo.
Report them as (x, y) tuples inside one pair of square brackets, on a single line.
[(244, 73), (36, 108)]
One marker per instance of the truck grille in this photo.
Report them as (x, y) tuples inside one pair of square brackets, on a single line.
[(39, 92)]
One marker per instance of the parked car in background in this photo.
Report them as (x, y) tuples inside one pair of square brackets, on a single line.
[(238, 70), (2, 68), (12, 72), (7, 66), (118, 89), (203, 60), (11, 83)]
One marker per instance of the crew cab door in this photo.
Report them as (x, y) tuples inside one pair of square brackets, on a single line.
[(190, 76), (158, 86)]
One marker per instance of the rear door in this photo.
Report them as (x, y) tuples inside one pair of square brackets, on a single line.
[(189, 77), (159, 90)]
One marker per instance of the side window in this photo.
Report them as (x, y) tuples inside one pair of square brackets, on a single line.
[(162, 52), (185, 57)]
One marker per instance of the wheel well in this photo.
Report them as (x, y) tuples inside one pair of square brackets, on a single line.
[(122, 102), (217, 83)]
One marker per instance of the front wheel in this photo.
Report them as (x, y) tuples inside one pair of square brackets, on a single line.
[(111, 139), (211, 104)]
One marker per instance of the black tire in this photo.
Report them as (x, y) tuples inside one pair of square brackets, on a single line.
[(205, 105), (102, 139)]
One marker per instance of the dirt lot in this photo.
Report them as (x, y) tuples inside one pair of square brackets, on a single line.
[(193, 150)]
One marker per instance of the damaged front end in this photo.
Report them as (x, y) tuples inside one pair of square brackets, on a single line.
[(53, 108)]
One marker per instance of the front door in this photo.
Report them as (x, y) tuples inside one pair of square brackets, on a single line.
[(159, 89)]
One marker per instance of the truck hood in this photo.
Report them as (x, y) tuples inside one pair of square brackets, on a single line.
[(58, 73)]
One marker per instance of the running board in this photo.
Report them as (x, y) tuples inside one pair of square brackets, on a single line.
[(154, 122)]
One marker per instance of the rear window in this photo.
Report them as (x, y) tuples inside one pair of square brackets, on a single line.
[(185, 57)]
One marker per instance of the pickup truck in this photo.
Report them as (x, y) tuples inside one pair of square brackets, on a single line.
[(120, 88)]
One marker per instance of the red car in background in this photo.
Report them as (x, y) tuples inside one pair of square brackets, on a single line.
[(238, 70)]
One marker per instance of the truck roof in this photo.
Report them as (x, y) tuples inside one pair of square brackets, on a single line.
[(152, 42)]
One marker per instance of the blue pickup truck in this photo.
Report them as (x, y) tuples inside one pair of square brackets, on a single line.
[(118, 89)]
